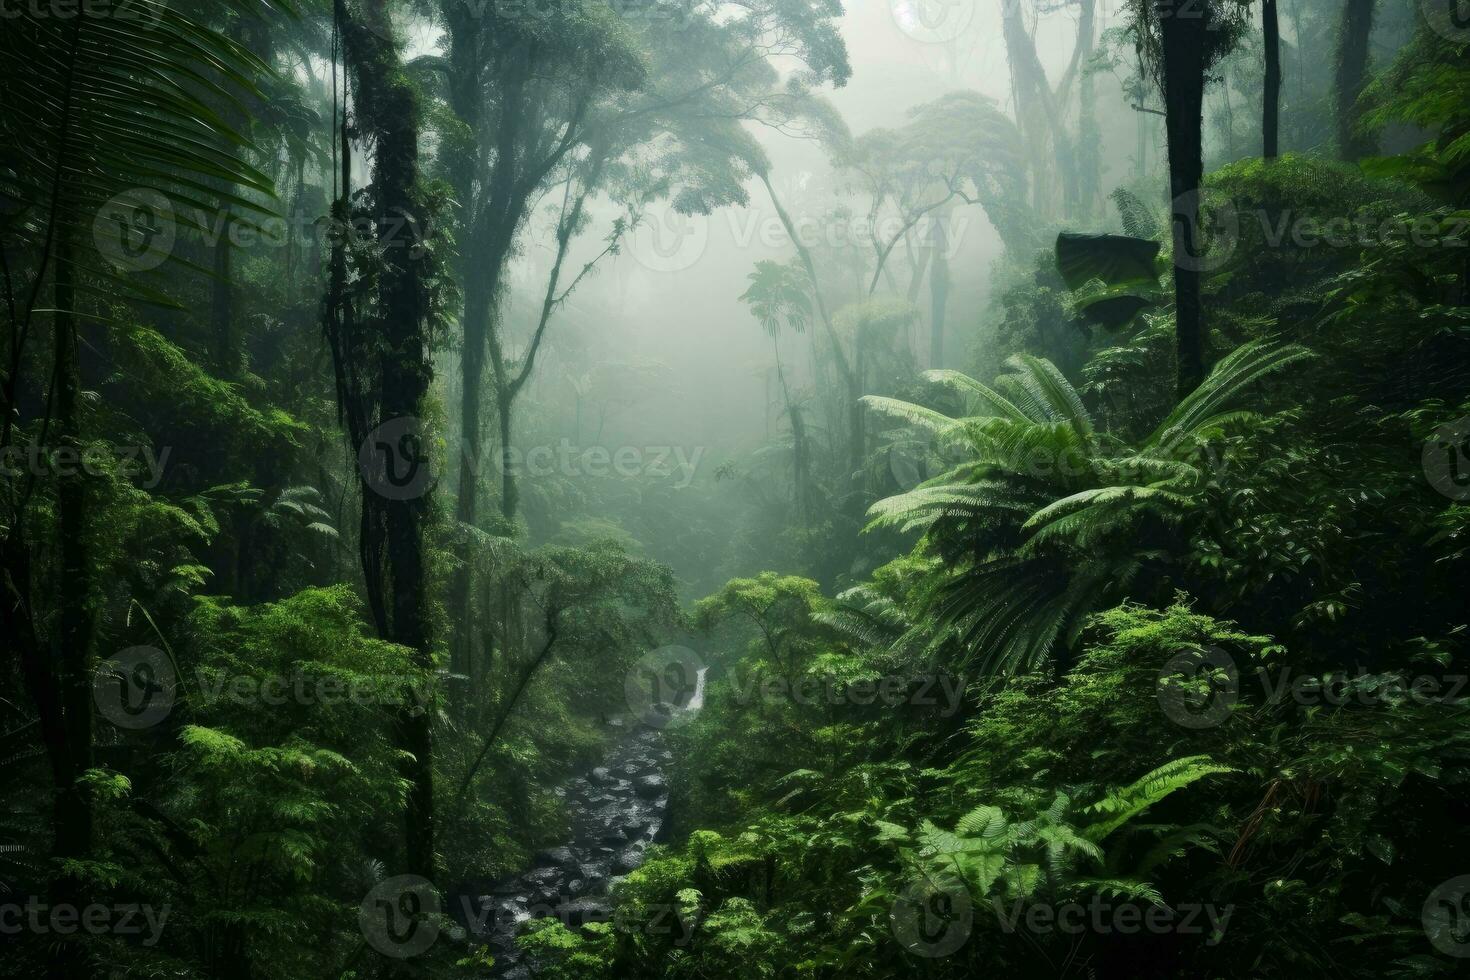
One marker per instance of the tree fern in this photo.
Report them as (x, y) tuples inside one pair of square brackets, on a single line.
[(1042, 519)]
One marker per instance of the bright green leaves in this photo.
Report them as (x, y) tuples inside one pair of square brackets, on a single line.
[(1121, 805)]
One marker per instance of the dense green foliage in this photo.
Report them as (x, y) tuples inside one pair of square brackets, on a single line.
[(1066, 663)]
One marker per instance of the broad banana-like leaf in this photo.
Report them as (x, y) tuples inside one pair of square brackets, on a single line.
[(1115, 259)]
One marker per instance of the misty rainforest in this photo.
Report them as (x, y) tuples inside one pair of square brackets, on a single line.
[(734, 489)]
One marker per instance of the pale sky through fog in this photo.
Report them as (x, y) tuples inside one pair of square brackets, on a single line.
[(682, 309)]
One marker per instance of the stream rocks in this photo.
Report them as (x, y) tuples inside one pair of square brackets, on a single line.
[(650, 787), (615, 811), (557, 857)]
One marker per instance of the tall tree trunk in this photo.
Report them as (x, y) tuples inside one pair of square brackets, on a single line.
[(1041, 111), (1184, 41), (1352, 77), (49, 669), (1230, 155), (1271, 109), (800, 452), (73, 808), (466, 504), (1089, 137), (466, 99), (224, 344), (388, 110), (510, 493), (938, 294), (1140, 151), (1030, 92), (855, 415)]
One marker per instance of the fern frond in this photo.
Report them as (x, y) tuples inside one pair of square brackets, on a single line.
[(1122, 805)]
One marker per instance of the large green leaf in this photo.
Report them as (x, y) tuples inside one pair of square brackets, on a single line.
[(1117, 260), (1112, 307)]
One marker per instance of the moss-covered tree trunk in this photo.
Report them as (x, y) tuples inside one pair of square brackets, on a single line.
[(387, 109)]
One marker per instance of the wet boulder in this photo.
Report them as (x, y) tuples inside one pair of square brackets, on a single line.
[(543, 877), (628, 860), (556, 857), (651, 786)]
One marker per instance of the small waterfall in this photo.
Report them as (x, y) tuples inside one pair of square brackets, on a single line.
[(696, 700)]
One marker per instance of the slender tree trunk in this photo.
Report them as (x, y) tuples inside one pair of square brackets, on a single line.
[(1029, 92), (222, 306), (466, 99), (466, 504), (510, 493), (938, 295), (1230, 154), (1184, 50), (855, 416), (1271, 109), (225, 344), (1352, 77), (388, 109), (1140, 158), (73, 808), (801, 456), (1089, 142)]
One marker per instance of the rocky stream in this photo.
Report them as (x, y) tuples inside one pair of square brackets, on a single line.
[(615, 811)]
